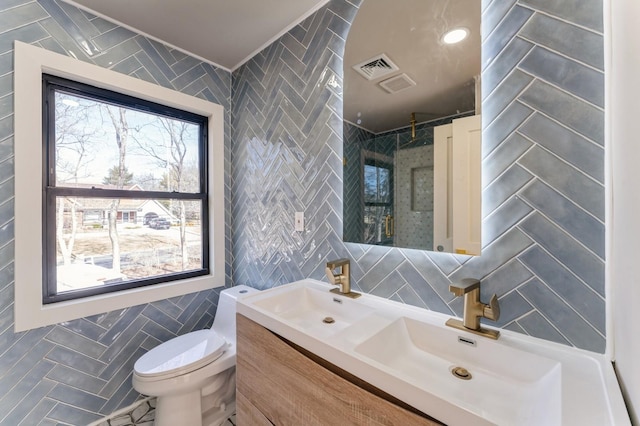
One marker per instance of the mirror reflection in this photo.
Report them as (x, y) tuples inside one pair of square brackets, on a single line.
[(412, 126)]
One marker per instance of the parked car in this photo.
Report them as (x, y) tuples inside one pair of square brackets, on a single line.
[(160, 223), (149, 217)]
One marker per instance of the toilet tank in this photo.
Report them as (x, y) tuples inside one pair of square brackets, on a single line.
[(224, 323)]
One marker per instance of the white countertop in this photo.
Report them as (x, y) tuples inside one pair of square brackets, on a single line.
[(588, 391)]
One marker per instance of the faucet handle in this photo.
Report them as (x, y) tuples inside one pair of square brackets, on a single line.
[(337, 278), (492, 310), (331, 276)]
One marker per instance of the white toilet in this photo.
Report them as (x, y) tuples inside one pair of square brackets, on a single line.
[(193, 376)]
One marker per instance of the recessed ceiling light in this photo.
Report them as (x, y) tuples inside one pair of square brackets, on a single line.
[(455, 36)]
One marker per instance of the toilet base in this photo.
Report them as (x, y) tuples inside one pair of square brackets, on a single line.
[(219, 398), (217, 416), (186, 410), (210, 405), (182, 409)]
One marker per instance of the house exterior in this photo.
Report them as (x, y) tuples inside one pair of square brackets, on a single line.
[(94, 212)]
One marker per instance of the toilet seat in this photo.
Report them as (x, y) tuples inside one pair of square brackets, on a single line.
[(181, 355)]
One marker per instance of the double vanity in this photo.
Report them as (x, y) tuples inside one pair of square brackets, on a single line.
[(318, 356)]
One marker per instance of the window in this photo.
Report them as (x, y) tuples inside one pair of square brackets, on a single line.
[(147, 198), (114, 155), (378, 202)]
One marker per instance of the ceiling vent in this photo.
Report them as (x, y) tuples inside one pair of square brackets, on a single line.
[(376, 67), (397, 83)]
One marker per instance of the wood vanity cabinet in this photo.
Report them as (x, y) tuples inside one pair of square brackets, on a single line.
[(279, 383)]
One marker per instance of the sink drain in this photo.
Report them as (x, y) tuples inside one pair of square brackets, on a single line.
[(461, 373), (328, 320)]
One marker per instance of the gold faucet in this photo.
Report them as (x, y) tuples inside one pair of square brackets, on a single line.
[(474, 309), (342, 278)]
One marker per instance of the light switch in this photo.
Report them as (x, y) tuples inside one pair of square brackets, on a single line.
[(299, 221)]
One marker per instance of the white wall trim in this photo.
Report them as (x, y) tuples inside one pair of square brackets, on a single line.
[(30, 63), (608, 184), (622, 127)]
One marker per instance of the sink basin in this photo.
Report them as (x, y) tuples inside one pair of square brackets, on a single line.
[(317, 312), (410, 354), (507, 385)]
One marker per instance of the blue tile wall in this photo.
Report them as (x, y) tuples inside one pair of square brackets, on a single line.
[(80, 371), (543, 189), (543, 169)]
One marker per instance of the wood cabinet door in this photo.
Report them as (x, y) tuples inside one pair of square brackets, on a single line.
[(248, 414), (291, 389)]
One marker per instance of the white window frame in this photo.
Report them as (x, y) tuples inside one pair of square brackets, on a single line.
[(30, 63)]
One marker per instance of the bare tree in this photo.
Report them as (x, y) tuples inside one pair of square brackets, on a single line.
[(173, 157), (177, 131), (73, 139), (147, 181), (121, 127)]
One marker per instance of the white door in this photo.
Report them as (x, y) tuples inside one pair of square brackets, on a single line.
[(442, 189), (457, 186), (467, 185)]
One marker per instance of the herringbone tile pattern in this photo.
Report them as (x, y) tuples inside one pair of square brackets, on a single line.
[(543, 189), (543, 197), (80, 371)]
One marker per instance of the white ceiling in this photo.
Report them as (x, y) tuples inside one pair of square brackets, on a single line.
[(224, 32)]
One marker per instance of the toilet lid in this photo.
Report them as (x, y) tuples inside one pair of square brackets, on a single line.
[(182, 354)]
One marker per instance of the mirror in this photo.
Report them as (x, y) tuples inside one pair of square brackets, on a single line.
[(412, 127)]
